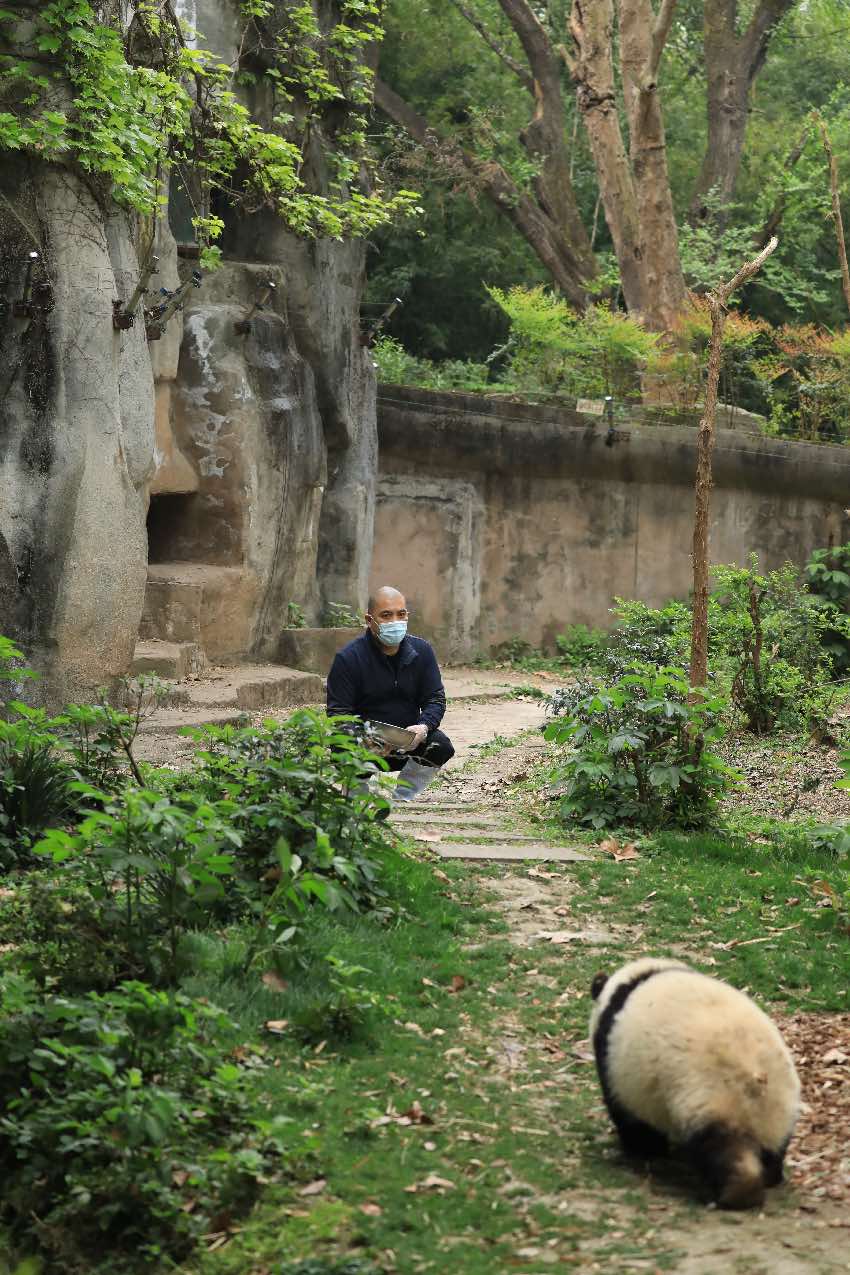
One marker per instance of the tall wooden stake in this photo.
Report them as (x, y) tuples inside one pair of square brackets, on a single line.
[(717, 302)]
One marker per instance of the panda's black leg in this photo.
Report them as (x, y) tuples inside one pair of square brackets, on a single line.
[(774, 1162), (638, 1139)]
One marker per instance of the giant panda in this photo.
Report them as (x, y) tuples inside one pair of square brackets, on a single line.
[(686, 1061)]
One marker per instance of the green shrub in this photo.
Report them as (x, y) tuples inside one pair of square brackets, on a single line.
[(397, 367), (828, 578), (644, 636), (345, 1010), (580, 646), (297, 785), (558, 351), (55, 930), (775, 636), (126, 1127), (154, 864), (35, 790), (637, 753)]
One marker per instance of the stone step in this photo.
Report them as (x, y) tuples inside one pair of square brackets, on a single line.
[(440, 834), (448, 821), (249, 687), (170, 660), (169, 721), (510, 853), (203, 603)]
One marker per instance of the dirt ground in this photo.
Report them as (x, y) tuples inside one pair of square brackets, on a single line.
[(805, 1226)]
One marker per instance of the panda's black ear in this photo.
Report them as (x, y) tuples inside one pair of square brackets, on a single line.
[(599, 981)]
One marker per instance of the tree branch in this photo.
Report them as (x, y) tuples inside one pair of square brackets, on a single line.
[(543, 235), (660, 32), (533, 37), (490, 40), (757, 36)]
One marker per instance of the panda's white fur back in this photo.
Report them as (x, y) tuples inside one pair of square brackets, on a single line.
[(687, 1050)]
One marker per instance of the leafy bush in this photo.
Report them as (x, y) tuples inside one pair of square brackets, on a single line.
[(124, 1125), (558, 351), (339, 615), (828, 578), (56, 931), (345, 1010), (775, 635), (296, 789), (637, 753), (154, 866), (396, 367), (35, 789), (580, 646), (652, 637)]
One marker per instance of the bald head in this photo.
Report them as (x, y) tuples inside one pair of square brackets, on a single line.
[(387, 617), (389, 600)]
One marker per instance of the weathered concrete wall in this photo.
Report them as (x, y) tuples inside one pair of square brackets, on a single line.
[(503, 519), (76, 435)]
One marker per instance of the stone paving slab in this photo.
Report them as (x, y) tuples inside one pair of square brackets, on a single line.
[(510, 853), (439, 834), (448, 821)]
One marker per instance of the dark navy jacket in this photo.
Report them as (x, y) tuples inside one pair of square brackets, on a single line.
[(363, 681)]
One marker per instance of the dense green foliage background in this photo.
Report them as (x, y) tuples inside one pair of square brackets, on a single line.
[(438, 63)]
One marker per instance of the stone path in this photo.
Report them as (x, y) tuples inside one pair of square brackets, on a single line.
[(467, 836)]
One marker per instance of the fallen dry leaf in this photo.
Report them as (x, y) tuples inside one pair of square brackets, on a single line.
[(433, 1182), (277, 1026), (440, 875), (458, 983), (273, 981), (416, 1115), (314, 1188), (370, 1209)]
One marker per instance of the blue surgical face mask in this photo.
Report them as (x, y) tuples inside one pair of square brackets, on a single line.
[(392, 632)]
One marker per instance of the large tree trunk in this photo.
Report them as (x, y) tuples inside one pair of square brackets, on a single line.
[(642, 37), (732, 63), (635, 188)]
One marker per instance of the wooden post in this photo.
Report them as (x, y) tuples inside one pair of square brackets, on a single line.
[(717, 302)]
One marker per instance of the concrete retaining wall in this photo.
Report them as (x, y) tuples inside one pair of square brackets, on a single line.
[(504, 519)]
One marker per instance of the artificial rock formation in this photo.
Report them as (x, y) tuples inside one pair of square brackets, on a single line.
[(243, 463), (76, 431)]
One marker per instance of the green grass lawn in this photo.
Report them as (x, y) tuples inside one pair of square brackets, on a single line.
[(463, 1129)]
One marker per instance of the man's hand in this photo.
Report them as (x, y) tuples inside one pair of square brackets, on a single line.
[(421, 733)]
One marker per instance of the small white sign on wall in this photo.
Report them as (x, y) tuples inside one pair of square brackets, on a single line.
[(590, 406)]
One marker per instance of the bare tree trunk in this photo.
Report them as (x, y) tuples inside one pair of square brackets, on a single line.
[(642, 37), (717, 300), (635, 187), (569, 268), (732, 64), (592, 68), (837, 219)]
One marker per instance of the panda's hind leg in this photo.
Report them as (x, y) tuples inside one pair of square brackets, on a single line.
[(637, 1138), (731, 1165)]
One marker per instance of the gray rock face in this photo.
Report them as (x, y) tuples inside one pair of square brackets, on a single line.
[(245, 417), (76, 436)]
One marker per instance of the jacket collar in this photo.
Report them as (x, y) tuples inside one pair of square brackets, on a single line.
[(406, 650)]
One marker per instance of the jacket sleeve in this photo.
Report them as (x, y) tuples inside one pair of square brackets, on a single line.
[(342, 687), (432, 693)]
